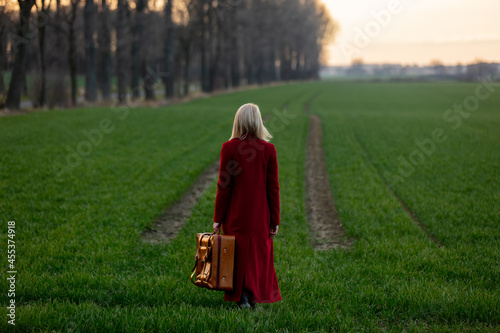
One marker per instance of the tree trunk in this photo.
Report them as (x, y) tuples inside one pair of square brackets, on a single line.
[(3, 56), (149, 82), (260, 68), (186, 74), (90, 70), (57, 70), (214, 37), (105, 52), (235, 55), (121, 42), (2, 83), (43, 65), (137, 37), (299, 69), (286, 63), (169, 51), (42, 98), (72, 65), (16, 85), (72, 51), (250, 74), (25, 82), (214, 66), (272, 61), (203, 47)]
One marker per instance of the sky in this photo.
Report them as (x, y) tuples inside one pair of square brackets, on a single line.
[(415, 31)]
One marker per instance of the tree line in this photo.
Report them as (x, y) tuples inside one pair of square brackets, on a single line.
[(133, 48)]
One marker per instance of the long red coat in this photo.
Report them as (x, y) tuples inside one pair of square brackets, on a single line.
[(247, 204)]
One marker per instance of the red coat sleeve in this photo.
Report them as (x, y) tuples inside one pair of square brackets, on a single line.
[(224, 185), (273, 188)]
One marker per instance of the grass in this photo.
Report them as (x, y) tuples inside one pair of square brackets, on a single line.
[(366, 131), (83, 267)]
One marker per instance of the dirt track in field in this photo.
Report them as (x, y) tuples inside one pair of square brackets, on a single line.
[(322, 215), (168, 225)]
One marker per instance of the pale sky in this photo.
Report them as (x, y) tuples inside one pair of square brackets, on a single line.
[(416, 32)]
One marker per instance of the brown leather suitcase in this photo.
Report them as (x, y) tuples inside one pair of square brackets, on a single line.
[(214, 261)]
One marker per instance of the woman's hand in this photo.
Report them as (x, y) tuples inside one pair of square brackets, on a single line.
[(216, 227), (273, 231)]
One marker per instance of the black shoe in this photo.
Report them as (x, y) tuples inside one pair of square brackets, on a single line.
[(243, 303)]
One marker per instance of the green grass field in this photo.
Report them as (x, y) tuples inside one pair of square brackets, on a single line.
[(81, 200)]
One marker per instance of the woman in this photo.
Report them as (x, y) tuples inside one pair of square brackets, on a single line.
[(247, 205)]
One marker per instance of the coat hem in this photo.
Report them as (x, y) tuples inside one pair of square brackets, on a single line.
[(259, 301)]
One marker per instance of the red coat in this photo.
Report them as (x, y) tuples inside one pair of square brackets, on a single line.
[(247, 204)]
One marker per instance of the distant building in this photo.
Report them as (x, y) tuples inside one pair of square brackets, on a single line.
[(435, 71), (480, 70)]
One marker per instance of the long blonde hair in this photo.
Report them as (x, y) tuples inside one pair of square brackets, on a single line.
[(249, 120)]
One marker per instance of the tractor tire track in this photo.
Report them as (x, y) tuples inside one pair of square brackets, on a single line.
[(322, 215), (402, 203), (170, 223)]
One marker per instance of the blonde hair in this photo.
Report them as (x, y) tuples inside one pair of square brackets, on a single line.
[(249, 120)]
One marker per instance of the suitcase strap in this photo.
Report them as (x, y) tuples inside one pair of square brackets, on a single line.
[(197, 257)]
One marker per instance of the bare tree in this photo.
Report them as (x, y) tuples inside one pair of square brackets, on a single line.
[(186, 35), (152, 39), (56, 55), (234, 49), (4, 20), (20, 44), (71, 35), (169, 50), (121, 50), (104, 41), (42, 17), (202, 11), (70, 32), (215, 38), (137, 51), (90, 68)]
